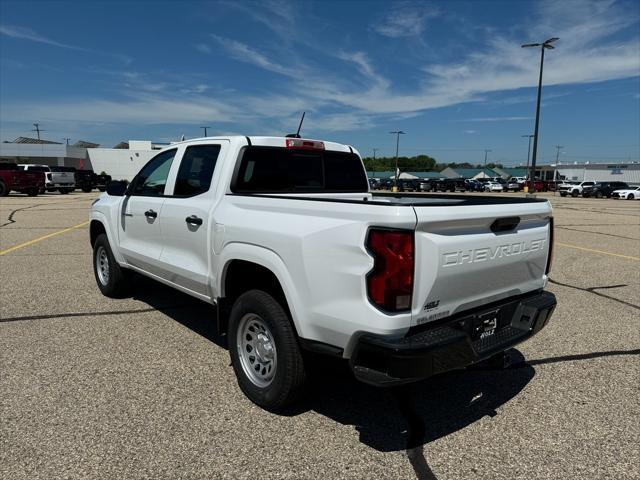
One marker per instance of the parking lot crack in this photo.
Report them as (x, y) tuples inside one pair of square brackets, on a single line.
[(597, 233), (600, 294), (91, 314), (415, 435), (13, 212)]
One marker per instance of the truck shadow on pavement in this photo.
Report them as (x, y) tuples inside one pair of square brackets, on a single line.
[(392, 419), (387, 419)]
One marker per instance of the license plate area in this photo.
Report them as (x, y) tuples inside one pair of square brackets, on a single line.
[(485, 325)]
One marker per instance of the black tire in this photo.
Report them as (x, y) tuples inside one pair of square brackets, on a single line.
[(117, 279), (86, 189), (287, 383), (563, 194), (598, 194), (631, 197), (4, 191), (33, 192), (63, 191), (574, 194), (102, 189)]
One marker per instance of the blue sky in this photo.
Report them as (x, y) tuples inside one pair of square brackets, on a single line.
[(450, 74)]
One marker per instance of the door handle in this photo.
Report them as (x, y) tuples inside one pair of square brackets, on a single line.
[(193, 220), (151, 214)]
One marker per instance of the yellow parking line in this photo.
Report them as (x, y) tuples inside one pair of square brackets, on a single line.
[(598, 251), (44, 237)]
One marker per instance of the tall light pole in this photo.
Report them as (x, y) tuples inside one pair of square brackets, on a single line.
[(397, 133), (555, 169), (528, 151), (37, 129), (205, 130), (374, 161), (485, 163), (67, 140), (543, 46)]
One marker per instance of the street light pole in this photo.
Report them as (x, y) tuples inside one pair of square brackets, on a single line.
[(528, 152), (397, 133), (555, 169), (543, 46), (485, 163)]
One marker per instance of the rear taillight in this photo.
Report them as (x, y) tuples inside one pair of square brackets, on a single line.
[(390, 282), (551, 240)]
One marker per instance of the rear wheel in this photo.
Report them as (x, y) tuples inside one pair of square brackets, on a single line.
[(4, 191), (112, 280), (33, 192), (598, 194), (86, 189), (264, 351), (574, 194)]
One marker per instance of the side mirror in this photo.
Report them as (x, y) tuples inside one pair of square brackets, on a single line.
[(117, 188)]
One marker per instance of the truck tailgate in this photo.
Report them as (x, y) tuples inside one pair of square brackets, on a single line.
[(471, 255)]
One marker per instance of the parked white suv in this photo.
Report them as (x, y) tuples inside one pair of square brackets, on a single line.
[(285, 237), (573, 188)]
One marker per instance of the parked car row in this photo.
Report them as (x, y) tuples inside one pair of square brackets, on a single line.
[(34, 179), (490, 184)]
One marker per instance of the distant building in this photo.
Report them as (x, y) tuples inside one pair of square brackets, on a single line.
[(405, 175), (121, 162), (46, 152), (451, 172)]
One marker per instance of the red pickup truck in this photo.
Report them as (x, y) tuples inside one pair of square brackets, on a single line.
[(12, 177)]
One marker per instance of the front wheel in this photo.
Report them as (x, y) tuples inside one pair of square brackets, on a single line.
[(574, 194), (33, 192), (4, 191), (631, 197), (264, 351), (112, 280)]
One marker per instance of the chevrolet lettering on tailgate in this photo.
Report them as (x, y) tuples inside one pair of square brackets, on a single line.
[(484, 254)]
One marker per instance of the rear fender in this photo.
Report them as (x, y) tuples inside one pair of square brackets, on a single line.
[(270, 260)]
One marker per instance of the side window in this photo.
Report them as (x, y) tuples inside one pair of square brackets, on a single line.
[(151, 180), (196, 170)]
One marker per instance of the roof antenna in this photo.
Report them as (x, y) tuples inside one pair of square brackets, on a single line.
[(297, 134)]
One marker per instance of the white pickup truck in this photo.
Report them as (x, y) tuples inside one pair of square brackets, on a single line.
[(285, 237), (55, 178)]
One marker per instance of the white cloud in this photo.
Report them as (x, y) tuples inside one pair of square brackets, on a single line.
[(24, 33), (361, 96), (203, 48), (244, 53), (496, 119), (148, 110), (470, 132), (28, 34), (406, 19)]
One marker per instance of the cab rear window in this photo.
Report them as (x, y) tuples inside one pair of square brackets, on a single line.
[(282, 170)]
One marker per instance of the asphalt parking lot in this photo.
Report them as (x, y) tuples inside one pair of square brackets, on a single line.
[(142, 388)]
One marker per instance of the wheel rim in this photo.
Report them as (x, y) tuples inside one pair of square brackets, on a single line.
[(102, 266), (256, 350)]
